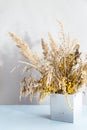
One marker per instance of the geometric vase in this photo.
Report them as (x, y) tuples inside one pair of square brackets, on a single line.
[(60, 110)]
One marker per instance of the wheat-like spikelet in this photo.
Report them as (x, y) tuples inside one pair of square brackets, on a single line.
[(46, 50), (25, 50), (53, 45)]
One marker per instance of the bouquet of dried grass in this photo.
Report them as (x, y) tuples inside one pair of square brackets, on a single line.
[(62, 69)]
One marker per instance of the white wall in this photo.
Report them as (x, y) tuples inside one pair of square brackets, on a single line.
[(32, 20)]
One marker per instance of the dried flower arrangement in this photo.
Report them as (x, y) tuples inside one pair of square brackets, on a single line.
[(62, 69)]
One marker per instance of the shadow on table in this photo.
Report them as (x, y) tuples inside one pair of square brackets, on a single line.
[(45, 116)]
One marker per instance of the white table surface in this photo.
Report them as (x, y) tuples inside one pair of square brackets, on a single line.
[(36, 117)]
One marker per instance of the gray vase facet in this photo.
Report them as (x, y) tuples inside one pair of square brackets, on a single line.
[(60, 110)]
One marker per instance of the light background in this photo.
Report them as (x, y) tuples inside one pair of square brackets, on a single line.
[(32, 20)]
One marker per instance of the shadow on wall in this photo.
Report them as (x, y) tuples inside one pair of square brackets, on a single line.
[(9, 82)]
